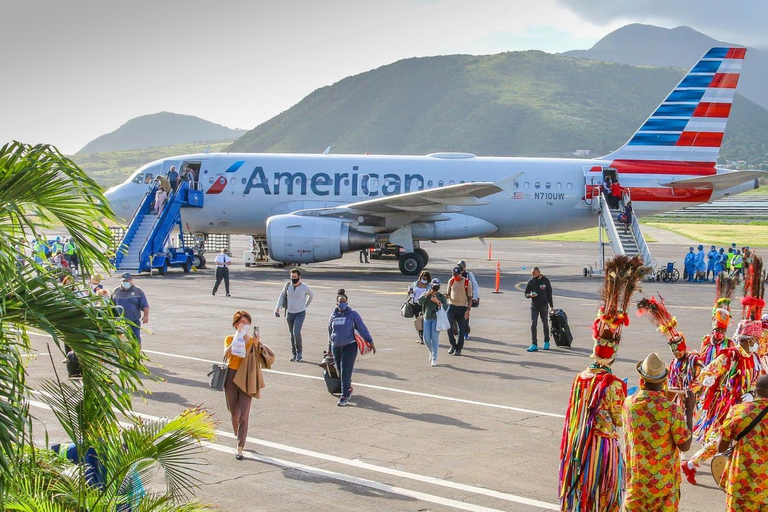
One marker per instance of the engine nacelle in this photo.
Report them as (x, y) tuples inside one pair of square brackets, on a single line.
[(299, 239)]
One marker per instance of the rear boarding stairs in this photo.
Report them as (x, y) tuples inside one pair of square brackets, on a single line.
[(623, 241), (144, 245)]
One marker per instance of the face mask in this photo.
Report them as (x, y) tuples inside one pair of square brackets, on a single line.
[(294, 280), (423, 281), (125, 285), (343, 306), (245, 328), (754, 347)]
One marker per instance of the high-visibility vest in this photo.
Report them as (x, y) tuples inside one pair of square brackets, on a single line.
[(69, 248), (729, 260), (738, 261)]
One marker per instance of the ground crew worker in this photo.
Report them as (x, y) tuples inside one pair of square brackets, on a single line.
[(690, 264), (738, 264), (70, 254), (729, 260), (711, 260)]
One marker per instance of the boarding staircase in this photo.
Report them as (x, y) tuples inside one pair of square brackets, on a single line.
[(629, 242), (146, 236)]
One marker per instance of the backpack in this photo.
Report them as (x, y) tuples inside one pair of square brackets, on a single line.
[(466, 287)]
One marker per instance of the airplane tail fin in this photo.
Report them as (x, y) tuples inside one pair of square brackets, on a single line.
[(688, 126)]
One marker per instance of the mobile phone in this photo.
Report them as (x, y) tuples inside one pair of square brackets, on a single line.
[(255, 330)]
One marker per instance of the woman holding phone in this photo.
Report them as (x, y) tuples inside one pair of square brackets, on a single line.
[(238, 401)]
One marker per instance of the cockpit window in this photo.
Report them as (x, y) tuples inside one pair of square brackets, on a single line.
[(148, 178), (139, 178)]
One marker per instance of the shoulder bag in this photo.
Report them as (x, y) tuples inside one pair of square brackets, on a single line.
[(406, 310), (720, 461), (218, 375)]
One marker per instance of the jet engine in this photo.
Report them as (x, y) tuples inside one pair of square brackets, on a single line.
[(299, 239)]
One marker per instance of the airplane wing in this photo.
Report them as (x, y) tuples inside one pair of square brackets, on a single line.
[(429, 201), (720, 181)]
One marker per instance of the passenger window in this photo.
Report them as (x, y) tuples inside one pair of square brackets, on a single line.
[(243, 181), (548, 185), (526, 185), (440, 183), (429, 183), (558, 185), (569, 186), (516, 184), (451, 182), (537, 185)]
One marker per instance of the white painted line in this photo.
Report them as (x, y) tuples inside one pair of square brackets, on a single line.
[(365, 466), (380, 388)]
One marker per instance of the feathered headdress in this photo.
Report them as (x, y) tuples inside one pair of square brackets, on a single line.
[(721, 312), (752, 303), (665, 323), (621, 277)]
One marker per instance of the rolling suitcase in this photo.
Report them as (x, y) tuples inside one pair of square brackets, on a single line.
[(331, 375), (561, 333)]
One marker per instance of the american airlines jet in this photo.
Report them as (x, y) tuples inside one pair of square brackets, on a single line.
[(316, 207)]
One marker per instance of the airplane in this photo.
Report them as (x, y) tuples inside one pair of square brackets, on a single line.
[(316, 207)]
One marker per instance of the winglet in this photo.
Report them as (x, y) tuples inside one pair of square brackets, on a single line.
[(508, 184)]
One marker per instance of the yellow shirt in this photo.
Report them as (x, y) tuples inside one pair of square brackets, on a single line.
[(234, 361)]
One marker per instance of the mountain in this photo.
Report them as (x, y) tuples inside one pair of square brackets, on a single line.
[(511, 104), (158, 130), (647, 45)]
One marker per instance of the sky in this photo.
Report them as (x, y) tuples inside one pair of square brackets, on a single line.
[(77, 69)]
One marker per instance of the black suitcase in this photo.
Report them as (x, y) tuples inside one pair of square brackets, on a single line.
[(332, 383), (561, 333)]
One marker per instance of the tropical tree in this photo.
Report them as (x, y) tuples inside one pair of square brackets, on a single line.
[(40, 189)]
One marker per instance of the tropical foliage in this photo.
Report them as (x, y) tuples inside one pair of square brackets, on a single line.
[(40, 189)]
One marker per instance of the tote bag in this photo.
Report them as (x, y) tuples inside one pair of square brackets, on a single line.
[(442, 320), (218, 375)]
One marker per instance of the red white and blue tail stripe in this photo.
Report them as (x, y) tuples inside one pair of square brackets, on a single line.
[(689, 125)]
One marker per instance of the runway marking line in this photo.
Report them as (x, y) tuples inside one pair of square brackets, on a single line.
[(361, 465), (370, 386)]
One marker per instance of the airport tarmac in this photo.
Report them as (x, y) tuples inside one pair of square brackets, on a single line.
[(478, 432)]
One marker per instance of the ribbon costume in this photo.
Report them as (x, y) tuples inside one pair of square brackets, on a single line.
[(684, 369), (592, 469), (716, 341)]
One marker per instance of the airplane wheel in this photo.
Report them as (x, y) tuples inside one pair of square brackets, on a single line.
[(421, 252), (586, 272), (247, 265), (202, 262), (411, 263), (197, 260)]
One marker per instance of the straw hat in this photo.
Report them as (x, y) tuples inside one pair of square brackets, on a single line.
[(652, 369)]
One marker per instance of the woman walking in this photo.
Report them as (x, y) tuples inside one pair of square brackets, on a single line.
[(238, 401), (342, 325), (430, 302), (415, 291)]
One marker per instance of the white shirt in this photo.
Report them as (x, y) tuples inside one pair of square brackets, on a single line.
[(299, 298), (222, 260)]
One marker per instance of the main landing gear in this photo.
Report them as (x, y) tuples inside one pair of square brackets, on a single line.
[(411, 263)]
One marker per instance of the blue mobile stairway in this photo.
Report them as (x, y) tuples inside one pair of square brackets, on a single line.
[(143, 246)]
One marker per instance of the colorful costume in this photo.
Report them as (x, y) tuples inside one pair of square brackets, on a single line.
[(684, 369), (591, 462), (658, 427), (747, 469), (716, 341)]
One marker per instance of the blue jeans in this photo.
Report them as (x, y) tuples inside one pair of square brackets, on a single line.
[(431, 337), (295, 323), (345, 363)]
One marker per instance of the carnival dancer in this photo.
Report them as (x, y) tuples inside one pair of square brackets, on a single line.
[(731, 375), (684, 369), (591, 462), (716, 341)]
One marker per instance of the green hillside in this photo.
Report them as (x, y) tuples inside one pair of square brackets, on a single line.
[(160, 130), (511, 104), (112, 168)]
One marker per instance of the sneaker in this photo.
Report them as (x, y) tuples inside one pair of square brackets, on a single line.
[(213, 293), (690, 473), (457, 353), (452, 350), (298, 358), (466, 336), (293, 358), (546, 345), (434, 363), (228, 295), (533, 348), (343, 402)]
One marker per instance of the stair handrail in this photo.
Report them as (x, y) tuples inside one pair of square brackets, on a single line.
[(131, 226), (645, 251), (610, 226), (160, 218)]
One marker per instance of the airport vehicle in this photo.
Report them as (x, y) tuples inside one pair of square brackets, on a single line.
[(312, 208)]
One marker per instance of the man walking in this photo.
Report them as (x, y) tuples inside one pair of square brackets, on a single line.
[(295, 298), (746, 474), (134, 303), (539, 290), (475, 291), (222, 271), (656, 430), (460, 300), (364, 254)]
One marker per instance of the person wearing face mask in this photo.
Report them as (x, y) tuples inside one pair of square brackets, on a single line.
[(223, 261), (238, 401), (430, 302), (415, 291), (342, 324), (295, 299), (133, 302)]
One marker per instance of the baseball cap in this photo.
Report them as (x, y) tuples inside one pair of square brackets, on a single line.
[(462, 264), (435, 282), (126, 275), (457, 270)]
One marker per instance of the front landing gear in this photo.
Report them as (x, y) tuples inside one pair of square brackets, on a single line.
[(411, 263)]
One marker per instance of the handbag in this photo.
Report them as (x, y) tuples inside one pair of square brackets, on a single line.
[(475, 302), (218, 375), (418, 323), (720, 461), (363, 346), (442, 324), (406, 310)]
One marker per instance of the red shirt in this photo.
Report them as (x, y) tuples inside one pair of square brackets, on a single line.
[(616, 189)]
